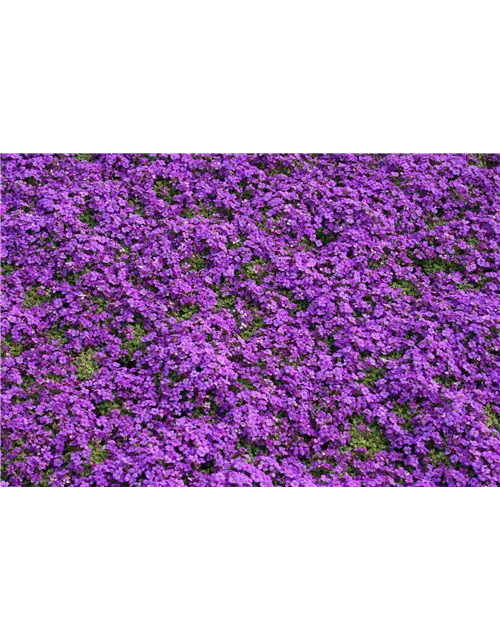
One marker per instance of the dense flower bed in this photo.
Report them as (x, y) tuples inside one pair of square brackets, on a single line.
[(250, 320)]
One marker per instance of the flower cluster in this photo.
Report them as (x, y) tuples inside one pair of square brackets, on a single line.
[(250, 320)]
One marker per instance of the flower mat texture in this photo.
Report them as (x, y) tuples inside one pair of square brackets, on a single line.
[(250, 320)]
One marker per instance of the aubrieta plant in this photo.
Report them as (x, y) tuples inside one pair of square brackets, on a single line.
[(250, 320)]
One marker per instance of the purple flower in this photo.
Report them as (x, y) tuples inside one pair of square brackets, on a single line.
[(250, 320)]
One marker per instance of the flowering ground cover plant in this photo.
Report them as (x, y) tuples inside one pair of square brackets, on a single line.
[(250, 320)]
